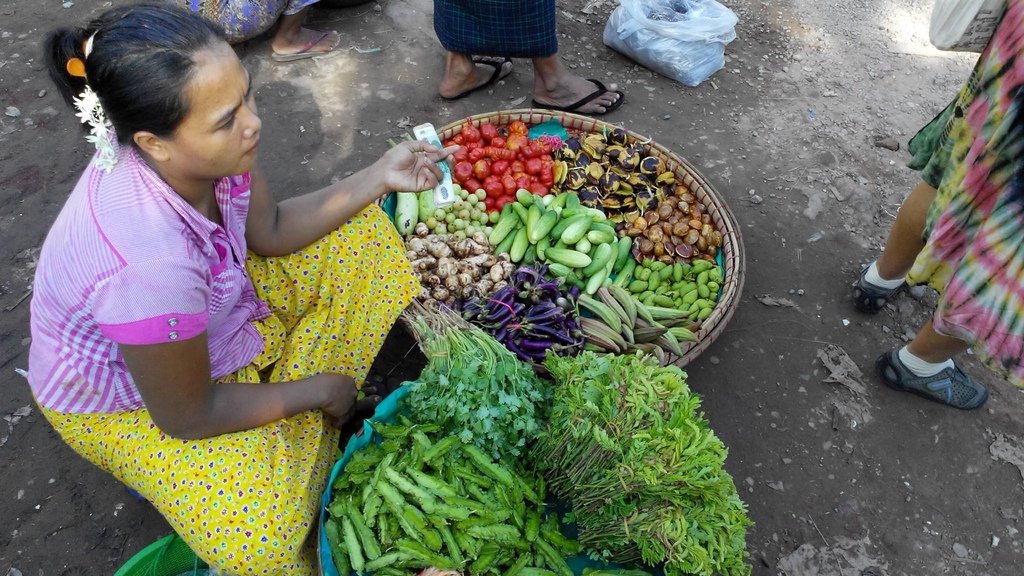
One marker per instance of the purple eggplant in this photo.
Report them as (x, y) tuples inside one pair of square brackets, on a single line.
[(545, 331)]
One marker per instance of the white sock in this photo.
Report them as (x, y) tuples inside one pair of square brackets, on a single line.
[(874, 279), (922, 367)]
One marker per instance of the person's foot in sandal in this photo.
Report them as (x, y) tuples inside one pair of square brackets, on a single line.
[(555, 88), (950, 385), (871, 292), (464, 74), (303, 43)]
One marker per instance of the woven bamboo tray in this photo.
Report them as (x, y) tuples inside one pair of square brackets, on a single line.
[(686, 175)]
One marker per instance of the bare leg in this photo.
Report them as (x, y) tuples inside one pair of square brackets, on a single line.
[(555, 85), (931, 346), (905, 239), (291, 37), (461, 74)]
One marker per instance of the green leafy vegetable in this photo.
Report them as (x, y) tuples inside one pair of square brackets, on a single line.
[(473, 387), (627, 447)]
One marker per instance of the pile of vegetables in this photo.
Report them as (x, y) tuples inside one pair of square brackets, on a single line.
[(613, 172), (530, 315), (501, 161), (463, 218), (677, 231), (451, 269), (412, 502), (473, 387), (627, 447), (623, 325), (691, 288), (576, 241)]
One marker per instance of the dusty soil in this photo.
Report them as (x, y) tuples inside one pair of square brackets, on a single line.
[(842, 478)]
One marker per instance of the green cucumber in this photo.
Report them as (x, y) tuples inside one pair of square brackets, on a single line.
[(543, 226), (505, 245), (519, 245), (602, 255), (506, 224), (524, 197), (600, 236), (567, 257), (406, 212), (623, 247), (576, 229)]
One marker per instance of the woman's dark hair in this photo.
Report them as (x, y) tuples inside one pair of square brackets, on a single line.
[(141, 60)]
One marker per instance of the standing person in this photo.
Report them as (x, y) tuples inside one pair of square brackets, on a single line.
[(191, 335), (482, 35), (246, 19), (959, 232)]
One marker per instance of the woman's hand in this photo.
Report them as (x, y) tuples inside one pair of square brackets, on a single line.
[(340, 404), (412, 166)]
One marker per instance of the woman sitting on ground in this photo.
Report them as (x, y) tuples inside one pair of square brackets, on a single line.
[(191, 335), (246, 19)]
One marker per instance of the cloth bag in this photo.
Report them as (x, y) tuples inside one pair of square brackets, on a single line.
[(964, 25), (682, 39)]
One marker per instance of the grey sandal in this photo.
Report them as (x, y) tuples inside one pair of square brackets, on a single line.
[(869, 298), (951, 386)]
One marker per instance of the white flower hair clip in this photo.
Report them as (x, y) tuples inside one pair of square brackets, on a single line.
[(90, 111), (101, 133)]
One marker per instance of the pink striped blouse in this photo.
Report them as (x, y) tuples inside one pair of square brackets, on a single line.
[(129, 261)]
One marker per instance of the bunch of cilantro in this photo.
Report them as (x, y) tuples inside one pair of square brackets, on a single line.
[(474, 388)]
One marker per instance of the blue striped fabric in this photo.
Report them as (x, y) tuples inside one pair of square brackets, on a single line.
[(511, 28)]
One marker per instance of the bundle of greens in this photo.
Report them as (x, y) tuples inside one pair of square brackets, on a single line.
[(627, 448), (472, 386), (415, 501)]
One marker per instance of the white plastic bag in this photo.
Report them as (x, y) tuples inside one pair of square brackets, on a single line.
[(682, 39), (964, 25)]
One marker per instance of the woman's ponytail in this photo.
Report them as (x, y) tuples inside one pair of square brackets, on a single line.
[(61, 47)]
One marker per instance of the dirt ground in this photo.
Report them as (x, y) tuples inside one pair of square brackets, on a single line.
[(843, 478)]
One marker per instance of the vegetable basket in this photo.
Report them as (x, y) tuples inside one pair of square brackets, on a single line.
[(730, 254)]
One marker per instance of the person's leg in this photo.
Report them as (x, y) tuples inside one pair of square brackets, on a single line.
[(556, 86), (933, 347), (885, 277), (462, 74), (291, 37), (906, 237)]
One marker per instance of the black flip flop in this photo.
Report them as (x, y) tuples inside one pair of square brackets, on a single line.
[(498, 65), (575, 106)]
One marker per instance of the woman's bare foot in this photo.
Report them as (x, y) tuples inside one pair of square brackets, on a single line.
[(302, 40), (463, 74)]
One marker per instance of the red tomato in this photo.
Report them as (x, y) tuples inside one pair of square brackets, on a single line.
[(522, 181), (518, 127), (499, 167), (528, 151), (546, 177), (518, 167), (481, 169), (498, 141), (474, 145), (509, 184), (458, 139), (538, 189), (472, 185), (534, 166), (470, 132), (476, 154), (516, 141), (493, 186), (463, 171), (488, 131), (461, 155)]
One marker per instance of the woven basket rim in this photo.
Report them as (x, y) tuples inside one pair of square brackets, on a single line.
[(733, 256)]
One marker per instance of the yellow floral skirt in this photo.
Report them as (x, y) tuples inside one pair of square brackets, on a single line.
[(246, 502)]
